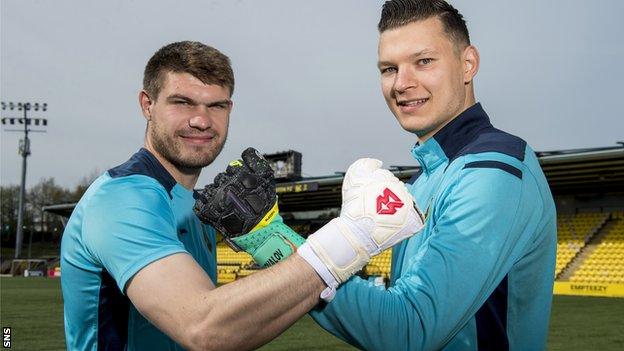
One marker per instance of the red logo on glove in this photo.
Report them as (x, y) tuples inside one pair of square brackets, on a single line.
[(388, 202)]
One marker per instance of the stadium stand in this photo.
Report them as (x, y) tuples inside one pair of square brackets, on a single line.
[(606, 263), (380, 265), (230, 264), (574, 231)]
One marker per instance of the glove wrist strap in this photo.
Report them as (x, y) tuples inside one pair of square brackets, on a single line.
[(339, 249), (270, 244), (307, 253)]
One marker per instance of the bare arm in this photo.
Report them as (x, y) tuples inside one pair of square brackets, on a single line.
[(177, 296)]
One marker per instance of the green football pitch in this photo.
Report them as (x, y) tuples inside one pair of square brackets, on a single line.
[(33, 308)]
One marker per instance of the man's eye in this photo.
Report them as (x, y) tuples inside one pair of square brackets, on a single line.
[(425, 61), (219, 106), (181, 102), (388, 70)]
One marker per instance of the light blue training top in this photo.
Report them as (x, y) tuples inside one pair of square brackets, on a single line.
[(480, 274), (132, 215)]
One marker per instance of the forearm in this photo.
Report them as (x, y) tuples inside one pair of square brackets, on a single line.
[(251, 311), (359, 311)]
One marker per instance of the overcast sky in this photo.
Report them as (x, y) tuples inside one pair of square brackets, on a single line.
[(551, 72)]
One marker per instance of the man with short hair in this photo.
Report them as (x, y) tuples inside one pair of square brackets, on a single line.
[(479, 275), (139, 269)]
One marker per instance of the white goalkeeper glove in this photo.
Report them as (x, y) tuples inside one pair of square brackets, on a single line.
[(377, 213)]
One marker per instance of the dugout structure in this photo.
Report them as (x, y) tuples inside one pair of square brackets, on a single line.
[(29, 267)]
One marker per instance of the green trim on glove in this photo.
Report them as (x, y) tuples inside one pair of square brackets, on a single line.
[(271, 244)]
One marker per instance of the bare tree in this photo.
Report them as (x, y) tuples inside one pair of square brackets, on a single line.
[(84, 184)]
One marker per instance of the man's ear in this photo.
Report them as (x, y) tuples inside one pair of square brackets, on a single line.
[(471, 59), (146, 104)]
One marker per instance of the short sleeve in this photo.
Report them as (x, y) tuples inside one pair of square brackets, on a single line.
[(128, 225)]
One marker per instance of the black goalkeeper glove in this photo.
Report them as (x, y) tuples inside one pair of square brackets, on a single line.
[(242, 205)]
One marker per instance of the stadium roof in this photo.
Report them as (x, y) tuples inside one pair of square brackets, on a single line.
[(581, 171), (63, 210), (586, 171), (578, 172)]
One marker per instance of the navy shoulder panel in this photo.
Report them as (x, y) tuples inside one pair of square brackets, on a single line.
[(144, 163), (494, 140), (495, 164)]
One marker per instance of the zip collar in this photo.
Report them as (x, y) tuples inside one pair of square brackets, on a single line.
[(451, 139)]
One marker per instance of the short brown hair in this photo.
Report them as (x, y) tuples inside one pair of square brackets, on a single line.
[(201, 61), (397, 13)]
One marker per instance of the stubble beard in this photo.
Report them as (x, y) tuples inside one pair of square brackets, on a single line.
[(174, 152)]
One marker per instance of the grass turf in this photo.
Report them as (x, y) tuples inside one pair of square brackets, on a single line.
[(33, 308)]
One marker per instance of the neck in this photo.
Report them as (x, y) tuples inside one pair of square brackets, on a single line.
[(187, 177)]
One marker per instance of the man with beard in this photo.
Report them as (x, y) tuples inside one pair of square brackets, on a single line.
[(141, 211), (139, 268)]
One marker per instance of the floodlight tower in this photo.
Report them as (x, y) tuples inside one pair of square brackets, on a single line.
[(24, 150)]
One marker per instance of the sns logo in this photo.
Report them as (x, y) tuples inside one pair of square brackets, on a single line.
[(388, 202)]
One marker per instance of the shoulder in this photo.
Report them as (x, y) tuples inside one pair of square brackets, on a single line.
[(132, 202), (129, 190), (124, 212), (493, 149), (492, 165), (498, 141), (495, 169), (143, 165)]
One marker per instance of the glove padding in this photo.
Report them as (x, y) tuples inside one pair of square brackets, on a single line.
[(239, 197), (242, 205), (377, 213)]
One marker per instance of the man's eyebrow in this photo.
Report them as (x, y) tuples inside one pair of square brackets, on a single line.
[(423, 52), (180, 97), (220, 102), (413, 56), (193, 102), (384, 64)]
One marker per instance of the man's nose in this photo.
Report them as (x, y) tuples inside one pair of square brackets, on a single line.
[(201, 118), (405, 79)]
